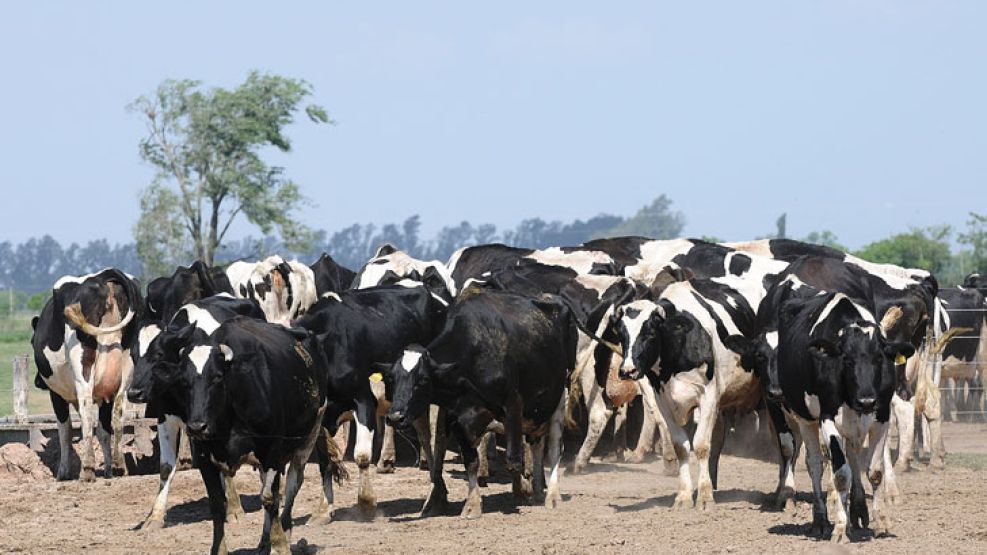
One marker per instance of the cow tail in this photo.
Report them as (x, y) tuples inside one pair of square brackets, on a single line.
[(329, 447), (572, 403)]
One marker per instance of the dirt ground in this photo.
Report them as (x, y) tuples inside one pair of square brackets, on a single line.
[(619, 508)]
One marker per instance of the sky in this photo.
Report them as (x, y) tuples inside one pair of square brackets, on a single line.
[(860, 117)]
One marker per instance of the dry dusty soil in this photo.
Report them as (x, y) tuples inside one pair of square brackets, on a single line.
[(619, 508)]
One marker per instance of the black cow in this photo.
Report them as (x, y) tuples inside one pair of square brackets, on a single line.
[(165, 295), (261, 395), (361, 329), (481, 261), (170, 358), (82, 341), (836, 372), (330, 276), (500, 357)]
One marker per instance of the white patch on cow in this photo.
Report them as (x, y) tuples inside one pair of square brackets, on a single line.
[(600, 284), (332, 295), (895, 276), (866, 330), (201, 318), (787, 443), (473, 281), (580, 261), (794, 281), (454, 259), (409, 283), (79, 279), (409, 360), (761, 247), (655, 256), (226, 351), (812, 403), (772, 338), (146, 335), (643, 310), (833, 303), (239, 274), (438, 298), (199, 355)]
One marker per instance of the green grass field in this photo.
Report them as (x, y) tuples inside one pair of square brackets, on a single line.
[(15, 339)]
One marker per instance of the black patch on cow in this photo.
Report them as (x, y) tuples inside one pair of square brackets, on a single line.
[(836, 454), (740, 263), (632, 312)]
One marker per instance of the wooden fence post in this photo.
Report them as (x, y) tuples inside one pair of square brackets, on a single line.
[(20, 387)]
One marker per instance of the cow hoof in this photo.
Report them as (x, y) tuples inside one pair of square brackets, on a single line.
[(521, 487), (706, 504), (553, 500), (881, 526), (903, 466), (891, 492), (436, 506), (671, 467), (472, 508), (119, 471), (321, 518), (481, 481), (683, 501), (936, 463), (783, 499), (87, 475), (232, 517), (152, 525), (367, 507), (422, 464), (859, 519), (385, 467), (635, 457)]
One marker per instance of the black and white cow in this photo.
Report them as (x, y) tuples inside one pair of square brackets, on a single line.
[(480, 261), (836, 372), (284, 289), (330, 276), (260, 399), (81, 343), (388, 261), (965, 358), (500, 357), (688, 345), (362, 329), (170, 358)]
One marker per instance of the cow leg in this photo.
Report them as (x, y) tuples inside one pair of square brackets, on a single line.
[(168, 429), (975, 398), (948, 399), (814, 462), (184, 450), (645, 441), (598, 417), (716, 447), (437, 503), (553, 497), (934, 414), (88, 419), (61, 410), (104, 435), (702, 442), (424, 432), (668, 452), (680, 442), (904, 412), (328, 455), (234, 510), (538, 470), (877, 438), (483, 458), (385, 465), (473, 507), (273, 539), (296, 474), (841, 477), (890, 480), (365, 418), (512, 431), (859, 517), (619, 435), (217, 506), (788, 448)]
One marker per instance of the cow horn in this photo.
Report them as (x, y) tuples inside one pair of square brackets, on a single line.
[(73, 313), (945, 338), (891, 318)]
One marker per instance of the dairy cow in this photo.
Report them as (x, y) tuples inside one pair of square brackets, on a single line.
[(500, 357), (82, 341), (330, 277)]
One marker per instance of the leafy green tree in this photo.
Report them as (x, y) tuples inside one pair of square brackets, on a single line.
[(206, 146), (976, 238), (919, 248), (825, 238), (37, 301), (655, 220)]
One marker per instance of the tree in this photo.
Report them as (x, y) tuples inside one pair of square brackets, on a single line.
[(826, 238), (919, 248), (656, 221), (976, 237), (205, 146)]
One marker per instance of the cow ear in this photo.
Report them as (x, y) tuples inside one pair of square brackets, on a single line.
[(389, 278), (824, 350), (433, 280), (183, 337), (895, 350), (737, 343)]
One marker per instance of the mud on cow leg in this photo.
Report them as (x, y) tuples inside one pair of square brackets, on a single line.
[(104, 435), (362, 452), (61, 409)]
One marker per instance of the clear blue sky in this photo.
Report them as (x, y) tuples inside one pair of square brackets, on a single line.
[(863, 117)]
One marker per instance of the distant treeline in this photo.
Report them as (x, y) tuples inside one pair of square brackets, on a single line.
[(33, 266)]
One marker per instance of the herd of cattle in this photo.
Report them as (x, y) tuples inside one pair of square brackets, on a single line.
[(262, 362)]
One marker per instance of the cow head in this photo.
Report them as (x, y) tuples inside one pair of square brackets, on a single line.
[(761, 357), (409, 381), (860, 363), (163, 366), (660, 340), (209, 401)]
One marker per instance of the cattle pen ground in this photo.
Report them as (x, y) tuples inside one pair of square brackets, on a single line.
[(618, 508)]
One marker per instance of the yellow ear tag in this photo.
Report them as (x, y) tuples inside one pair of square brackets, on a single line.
[(376, 377), (900, 359)]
